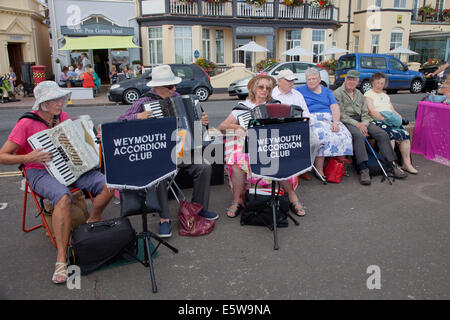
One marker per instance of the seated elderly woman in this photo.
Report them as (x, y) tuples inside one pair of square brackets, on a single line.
[(259, 88), (384, 115), (50, 100), (334, 137)]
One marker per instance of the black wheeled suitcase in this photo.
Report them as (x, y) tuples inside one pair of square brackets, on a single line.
[(100, 243)]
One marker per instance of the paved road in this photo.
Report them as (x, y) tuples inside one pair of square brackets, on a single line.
[(350, 233)]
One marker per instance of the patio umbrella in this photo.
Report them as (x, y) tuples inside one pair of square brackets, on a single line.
[(401, 50), (333, 50), (252, 46), (297, 51)]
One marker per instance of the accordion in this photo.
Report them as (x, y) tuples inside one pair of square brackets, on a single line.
[(73, 146), (267, 111), (188, 112)]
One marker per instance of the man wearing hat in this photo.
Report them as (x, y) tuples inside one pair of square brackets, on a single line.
[(355, 116), (47, 113), (163, 86)]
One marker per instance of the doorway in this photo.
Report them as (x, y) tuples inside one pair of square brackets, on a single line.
[(15, 56), (245, 57), (101, 64)]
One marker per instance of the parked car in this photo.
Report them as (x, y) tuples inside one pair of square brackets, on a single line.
[(368, 63), (240, 89), (194, 81)]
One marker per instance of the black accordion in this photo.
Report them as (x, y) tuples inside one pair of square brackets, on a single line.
[(188, 111), (267, 111)]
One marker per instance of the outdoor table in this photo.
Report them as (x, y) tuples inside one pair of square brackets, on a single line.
[(432, 132)]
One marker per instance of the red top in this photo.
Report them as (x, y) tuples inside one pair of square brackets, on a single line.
[(88, 80)]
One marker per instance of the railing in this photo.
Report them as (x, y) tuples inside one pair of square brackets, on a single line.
[(217, 9), (430, 19), (247, 10), (270, 9)]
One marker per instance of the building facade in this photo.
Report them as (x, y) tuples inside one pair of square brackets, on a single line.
[(179, 31), (112, 22), (23, 35)]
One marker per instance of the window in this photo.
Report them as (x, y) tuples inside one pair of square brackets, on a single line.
[(184, 72), (396, 65), (400, 4), (183, 45), (378, 3), (286, 66), (293, 39), (375, 43), (348, 62), (155, 45), (220, 47), (206, 44), (301, 67), (379, 63), (356, 44), (358, 5), (318, 45), (396, 40), (366, 62)]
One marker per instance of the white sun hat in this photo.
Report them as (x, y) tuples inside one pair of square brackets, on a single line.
[(49, 90), (163, 76), (286, 74)]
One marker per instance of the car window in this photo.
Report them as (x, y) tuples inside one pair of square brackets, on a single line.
[(379, 63), (396, 65), (301, 67), (346, 63), (282, 67), (366, 62), (183, 72)]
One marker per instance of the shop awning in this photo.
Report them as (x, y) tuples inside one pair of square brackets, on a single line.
[(98, 42)]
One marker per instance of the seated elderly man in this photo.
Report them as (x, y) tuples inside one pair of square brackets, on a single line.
[(355, 116)]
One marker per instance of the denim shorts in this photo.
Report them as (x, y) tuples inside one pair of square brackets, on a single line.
[(50, 188)]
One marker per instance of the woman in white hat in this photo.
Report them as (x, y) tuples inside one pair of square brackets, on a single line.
[(50, 100), (163, 86)]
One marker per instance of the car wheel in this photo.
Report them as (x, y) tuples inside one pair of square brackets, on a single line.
[(242, 96), (365, 86), (416, 86), (202, 93), (130, 96)]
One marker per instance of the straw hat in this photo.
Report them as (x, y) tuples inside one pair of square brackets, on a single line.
[(252, 81), (48, 90), (163, 76)]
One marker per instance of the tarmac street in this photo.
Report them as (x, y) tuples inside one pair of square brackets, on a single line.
[(377, 242)]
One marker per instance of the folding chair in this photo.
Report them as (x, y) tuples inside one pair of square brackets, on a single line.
[(39, 202), (172, 184)]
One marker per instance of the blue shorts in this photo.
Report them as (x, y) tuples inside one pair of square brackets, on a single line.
[(50, 188)]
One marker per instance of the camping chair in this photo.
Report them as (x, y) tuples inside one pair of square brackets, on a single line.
[(39, 202)]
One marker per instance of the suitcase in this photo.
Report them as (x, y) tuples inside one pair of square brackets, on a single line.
[(96, 244)]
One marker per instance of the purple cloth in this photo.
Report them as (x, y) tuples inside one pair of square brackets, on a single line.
[(138, 106), (432, 132), (48, 187)]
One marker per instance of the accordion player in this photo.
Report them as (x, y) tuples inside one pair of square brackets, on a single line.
[(188, 111)]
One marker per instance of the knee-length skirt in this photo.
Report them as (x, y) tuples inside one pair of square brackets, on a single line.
[(397, 133)]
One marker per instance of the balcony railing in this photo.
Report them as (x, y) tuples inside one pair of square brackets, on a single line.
[(272, 9)]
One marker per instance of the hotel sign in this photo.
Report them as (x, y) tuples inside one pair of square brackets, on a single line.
[(96, 30)]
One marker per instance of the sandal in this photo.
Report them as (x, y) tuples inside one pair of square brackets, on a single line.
[(60, 271), (233, 213), (297, 211)]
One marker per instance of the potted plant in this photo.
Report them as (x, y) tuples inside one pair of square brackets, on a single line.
[(446, 14), (265, 63), (321, 4), (329, 65), (426, 10), (256, 2), (207, 65), (216, 1), (293, 3)]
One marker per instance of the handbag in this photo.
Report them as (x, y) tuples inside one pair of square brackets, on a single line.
[(191, 223), (78, 211), (100, 243), (335, 169), (258, 209)]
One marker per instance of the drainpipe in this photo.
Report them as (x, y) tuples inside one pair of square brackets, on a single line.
[(349, 23)]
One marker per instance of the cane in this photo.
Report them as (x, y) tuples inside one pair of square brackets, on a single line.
[(379, 163)]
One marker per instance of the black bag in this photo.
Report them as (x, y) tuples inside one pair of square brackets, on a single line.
[(372, 164), (100, 243), (258, 210)]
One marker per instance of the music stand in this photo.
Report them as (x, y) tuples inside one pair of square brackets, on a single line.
[(274, 200), (138, 202)]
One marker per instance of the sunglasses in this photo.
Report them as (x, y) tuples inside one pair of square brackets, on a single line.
[(169, 87), (261, 87)]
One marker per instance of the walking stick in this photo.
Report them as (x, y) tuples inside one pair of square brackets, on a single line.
[(379, 163)]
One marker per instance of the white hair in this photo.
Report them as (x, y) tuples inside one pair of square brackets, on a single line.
[(312, 72)]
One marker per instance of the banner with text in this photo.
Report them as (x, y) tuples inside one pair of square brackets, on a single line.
[(138, 154)]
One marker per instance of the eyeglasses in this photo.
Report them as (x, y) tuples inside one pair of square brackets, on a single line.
[(169, 87), (261, 87)]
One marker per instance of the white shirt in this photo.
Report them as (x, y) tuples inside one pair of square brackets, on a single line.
[(248, 104), (292, 97)]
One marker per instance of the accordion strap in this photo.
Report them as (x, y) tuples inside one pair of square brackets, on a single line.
[(35, 116)]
